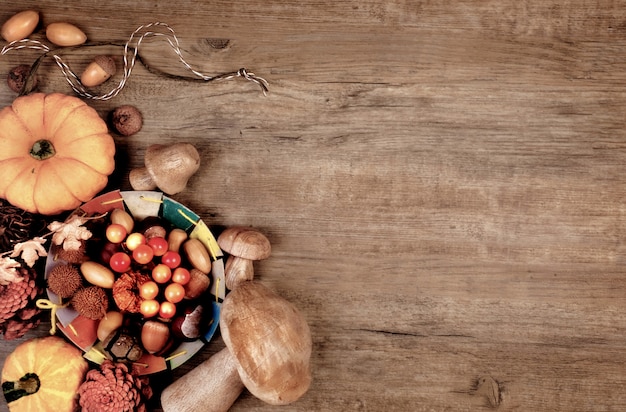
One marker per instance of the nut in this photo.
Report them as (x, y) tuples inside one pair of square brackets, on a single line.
[(20, 26), (65, 34), (127, 120), (17, 78), (98, 71)]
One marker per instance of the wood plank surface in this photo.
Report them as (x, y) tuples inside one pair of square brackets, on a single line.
[(442, 183)]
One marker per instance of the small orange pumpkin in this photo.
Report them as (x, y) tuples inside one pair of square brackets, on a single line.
[(55, 153), (43, 374)]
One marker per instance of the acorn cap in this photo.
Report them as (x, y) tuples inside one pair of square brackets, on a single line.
[(245, 242), (270, 342), (107, 63)]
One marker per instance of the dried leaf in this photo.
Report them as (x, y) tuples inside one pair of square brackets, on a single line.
[(30, 251), (71, 233), (8, 271)]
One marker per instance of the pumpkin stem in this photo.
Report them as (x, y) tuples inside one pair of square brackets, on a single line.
[(42, 149), (27, 385)]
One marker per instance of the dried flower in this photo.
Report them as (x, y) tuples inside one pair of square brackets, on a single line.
[(30, 251), (126, 291), (8, 271), (114, 388), (71, 233)]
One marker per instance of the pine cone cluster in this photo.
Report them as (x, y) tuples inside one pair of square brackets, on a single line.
[(114, 388), (18, 312)]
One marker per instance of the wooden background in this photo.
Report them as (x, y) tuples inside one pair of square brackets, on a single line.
[(442, 184)]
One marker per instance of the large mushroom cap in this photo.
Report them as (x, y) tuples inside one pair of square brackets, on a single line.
[(270, 340), (171, 166), (245, 242)]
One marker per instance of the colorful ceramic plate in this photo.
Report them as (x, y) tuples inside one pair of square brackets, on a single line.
[(141, 204)]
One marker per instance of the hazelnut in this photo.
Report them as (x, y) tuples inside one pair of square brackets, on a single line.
[(17, 78), (127, 120)]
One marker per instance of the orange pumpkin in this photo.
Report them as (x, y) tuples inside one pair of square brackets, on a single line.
[(43, 374), (55, 153)]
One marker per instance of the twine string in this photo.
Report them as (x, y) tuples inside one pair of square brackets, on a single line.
[(130, 56), (47, 304)]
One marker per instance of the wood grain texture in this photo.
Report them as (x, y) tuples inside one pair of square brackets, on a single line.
[(442, 184)]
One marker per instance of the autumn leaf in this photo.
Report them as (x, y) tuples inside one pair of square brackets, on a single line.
[(71, 233), (8, 272), (30, 251)]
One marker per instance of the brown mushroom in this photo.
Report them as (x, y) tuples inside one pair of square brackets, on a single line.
[(244, 245), (268, 349), (166, 167)]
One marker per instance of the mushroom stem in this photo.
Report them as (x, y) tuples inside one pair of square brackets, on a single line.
[(237, 270), (140, 179), (212, 386)]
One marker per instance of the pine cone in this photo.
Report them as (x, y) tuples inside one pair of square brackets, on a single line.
[(17, 225), (114, 388), (18, 312), (16, 328)]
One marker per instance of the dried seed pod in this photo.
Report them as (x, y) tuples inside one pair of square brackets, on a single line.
[(17, 78), (127, 120)]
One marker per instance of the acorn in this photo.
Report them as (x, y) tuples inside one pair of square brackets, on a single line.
[(98, 71), (154, 336)]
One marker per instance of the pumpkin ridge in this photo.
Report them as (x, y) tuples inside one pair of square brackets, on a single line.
[(49, 166), (87, 113), (27, 109), (99, 135), (50, 133), (73, 159), (17, 181), (23, 123)]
